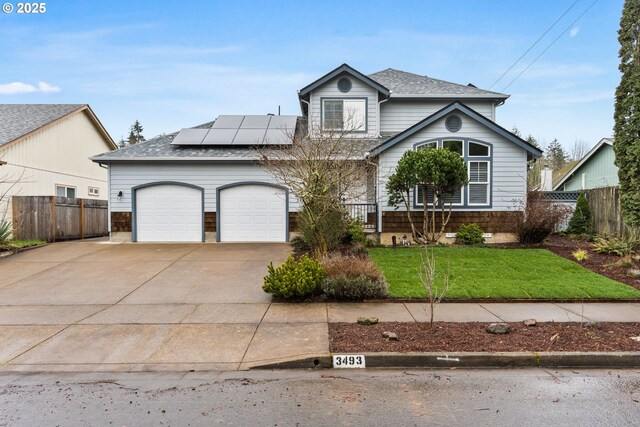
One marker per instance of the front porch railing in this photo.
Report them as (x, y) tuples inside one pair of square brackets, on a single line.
[(367, 213)]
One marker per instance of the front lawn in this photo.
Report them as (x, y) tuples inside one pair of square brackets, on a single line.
[(481, 272), (19, 244)]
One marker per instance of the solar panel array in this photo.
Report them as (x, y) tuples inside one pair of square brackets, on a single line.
[(241, 130)]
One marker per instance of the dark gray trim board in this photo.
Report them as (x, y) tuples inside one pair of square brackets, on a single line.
[(459, 106), (344, 68), (134, 213), (265, 184)]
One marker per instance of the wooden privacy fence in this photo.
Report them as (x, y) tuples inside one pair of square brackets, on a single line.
[(606, 214), (53, 218)]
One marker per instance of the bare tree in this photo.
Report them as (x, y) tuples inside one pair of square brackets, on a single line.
[(8, 183), (428, 276), (323, 169), (579, 149)]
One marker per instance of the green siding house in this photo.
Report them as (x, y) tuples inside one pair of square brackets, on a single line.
[(596, 169)]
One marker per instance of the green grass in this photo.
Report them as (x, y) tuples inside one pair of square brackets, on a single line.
[(18, 244), (481, 272)]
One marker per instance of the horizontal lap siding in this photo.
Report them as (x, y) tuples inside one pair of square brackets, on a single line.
[(358, 90), (208, 176), (397, 115), (509, 162)]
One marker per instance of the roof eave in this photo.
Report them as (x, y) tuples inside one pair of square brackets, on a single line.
[(344, 68), (500, 97)]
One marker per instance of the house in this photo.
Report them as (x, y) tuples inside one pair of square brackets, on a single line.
[(206, 184), (45, 149), (596, 169)]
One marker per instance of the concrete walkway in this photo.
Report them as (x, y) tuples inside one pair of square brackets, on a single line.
[(98, 307)]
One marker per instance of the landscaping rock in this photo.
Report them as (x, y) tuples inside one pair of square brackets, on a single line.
[(390, 336), (367, 321), (499, 328), (530, 322)]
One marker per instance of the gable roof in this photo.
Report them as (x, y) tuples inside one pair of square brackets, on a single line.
[(578, 165), (459, 106), (17, 121), (344, 68), (409, 85)]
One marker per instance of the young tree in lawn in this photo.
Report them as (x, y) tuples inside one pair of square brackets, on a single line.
[(439, 174), (322, 169), (627, 113), (135, 133)]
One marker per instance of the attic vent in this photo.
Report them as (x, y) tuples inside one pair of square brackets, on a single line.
[(344, 84), (453, 123)]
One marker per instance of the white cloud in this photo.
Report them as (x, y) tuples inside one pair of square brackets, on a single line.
[(17, 88), (574, 31), (47, 88)]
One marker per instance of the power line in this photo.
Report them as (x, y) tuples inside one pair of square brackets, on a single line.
[(551, 44), (534, 44)]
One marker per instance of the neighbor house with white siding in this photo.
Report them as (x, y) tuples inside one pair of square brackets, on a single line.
[(45, 149), (206, 183)]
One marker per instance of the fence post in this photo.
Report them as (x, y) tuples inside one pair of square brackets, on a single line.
[(54, 219), (81, 218)]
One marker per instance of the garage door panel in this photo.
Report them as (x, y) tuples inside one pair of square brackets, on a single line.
[(169, 213), (253, 213)]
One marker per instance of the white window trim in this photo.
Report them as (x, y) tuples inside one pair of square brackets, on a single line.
[(97, 191), (487, 183), (364, 126), (66, 187), (484, 145)]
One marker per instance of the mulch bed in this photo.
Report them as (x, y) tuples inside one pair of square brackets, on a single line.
[(604, 264), (444, 336)]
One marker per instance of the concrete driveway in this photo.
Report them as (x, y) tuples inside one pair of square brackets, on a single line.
[(83, 306)]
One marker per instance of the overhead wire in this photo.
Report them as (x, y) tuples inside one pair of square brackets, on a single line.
[(550, 44), (534, 44)]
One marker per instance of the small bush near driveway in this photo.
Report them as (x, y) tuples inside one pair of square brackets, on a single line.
[(352, 278), (481, 272), (294, 279)]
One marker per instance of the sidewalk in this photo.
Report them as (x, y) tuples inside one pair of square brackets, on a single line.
[(183, 337)]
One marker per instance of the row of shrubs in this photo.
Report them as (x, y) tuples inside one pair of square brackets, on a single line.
[(341, 277)]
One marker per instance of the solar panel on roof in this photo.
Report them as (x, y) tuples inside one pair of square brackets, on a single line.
[(255, 122), (190, 137), (249, 137), (220, 137), (276, 137), (228, 122), (279, 122)]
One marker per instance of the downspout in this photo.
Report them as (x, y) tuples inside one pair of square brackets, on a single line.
[(377, 166), (308, 118)]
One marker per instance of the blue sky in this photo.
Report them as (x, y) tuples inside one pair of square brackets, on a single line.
[(178, 64)]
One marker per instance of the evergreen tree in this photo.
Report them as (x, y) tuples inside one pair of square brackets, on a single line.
[(627, 113), (516, 131), (531, 140), (122, 143), (135, 133), (556, 155), (580, 222)]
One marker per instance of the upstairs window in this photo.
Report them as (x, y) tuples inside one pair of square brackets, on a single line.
[(344, 114)]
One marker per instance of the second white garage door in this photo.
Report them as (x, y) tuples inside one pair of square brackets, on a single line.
[(253, 213), (169, 213)]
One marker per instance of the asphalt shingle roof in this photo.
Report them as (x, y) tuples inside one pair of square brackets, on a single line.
[(410, 84), (160, 148), (17, 120)]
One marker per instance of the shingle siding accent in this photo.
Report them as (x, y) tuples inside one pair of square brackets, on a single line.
[(489, 222), (121, 222)]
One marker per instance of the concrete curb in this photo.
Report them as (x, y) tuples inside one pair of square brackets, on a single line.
[(15, 251), (629, 359)]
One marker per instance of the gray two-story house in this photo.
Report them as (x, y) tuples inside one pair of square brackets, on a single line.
[(206, 183)]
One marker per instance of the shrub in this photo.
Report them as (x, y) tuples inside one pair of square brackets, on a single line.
[(580, 255), (352, 278), (356, 288), (299, 244), (621, 246), (539, 218), (355, 232), (5, 231), (580, 222), (293, 279), (469, 234), (322, 231)]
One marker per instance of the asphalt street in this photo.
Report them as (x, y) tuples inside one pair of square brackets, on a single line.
[(506, 397)]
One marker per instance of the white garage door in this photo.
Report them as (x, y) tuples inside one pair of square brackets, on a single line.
[(169, 213), (253, 213)]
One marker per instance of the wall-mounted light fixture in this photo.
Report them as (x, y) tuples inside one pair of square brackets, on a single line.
[(120, 194)]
